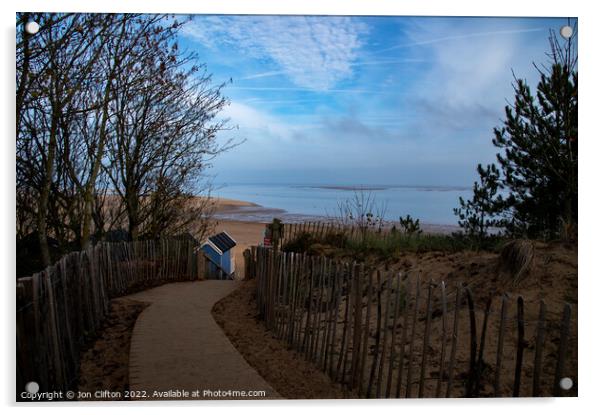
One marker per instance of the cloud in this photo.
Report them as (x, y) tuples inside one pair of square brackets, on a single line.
[(463, 92), (314, 52), (351, 128), (263, 75), (345, 148), (354, 65), (257, 123), (452, 117), (428, 123), (338, 90), (463, 36), (262, 127)]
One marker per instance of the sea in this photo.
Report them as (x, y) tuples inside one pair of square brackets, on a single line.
[(433, 205)]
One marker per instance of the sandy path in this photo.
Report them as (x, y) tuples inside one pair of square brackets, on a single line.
[(177, 345)]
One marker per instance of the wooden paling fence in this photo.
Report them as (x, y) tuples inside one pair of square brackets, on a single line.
[(382, 335), (291, 231), (61, 307), (321, 229)]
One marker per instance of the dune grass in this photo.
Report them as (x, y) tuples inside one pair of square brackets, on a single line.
[(386, 244)]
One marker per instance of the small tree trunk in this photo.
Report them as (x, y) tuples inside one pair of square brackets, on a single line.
[(90, 187), (45, 192)]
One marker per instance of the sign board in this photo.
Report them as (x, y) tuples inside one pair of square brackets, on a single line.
[(272, 232)]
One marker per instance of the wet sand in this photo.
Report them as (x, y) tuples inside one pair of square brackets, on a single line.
[(230, 210), (245, 222)]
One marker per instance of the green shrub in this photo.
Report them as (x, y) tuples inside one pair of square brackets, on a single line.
[(410, 226)]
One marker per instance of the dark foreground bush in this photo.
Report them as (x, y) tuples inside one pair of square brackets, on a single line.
[(300, 243)]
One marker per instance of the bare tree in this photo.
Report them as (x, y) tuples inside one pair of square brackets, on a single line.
[(52, 67), (115, 127), (164, 136), (362, 212)]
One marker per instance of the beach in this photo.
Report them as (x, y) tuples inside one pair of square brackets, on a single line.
[(295, 203), (245, 222), (245, 233)]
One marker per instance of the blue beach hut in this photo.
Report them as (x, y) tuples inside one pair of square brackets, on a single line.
[(218, 250)]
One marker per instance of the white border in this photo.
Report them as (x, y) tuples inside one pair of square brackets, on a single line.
[(327, 7), (212, 245)]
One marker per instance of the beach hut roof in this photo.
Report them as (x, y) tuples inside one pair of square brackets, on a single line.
[(222, 241)]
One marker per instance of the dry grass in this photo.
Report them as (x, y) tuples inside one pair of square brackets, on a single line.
[(516, 258)]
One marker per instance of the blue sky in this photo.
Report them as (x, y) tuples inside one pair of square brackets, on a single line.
[(364, 100)]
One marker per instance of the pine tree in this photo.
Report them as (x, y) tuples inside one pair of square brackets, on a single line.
[(538, 157), (539, 139), (482, 212)]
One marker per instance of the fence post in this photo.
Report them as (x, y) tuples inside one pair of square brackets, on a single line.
[(412, 336), (402, 343), (452, 357), (378, 333), (337, 303), (473, 343), (482, 347), (357, 324), (383, 355), (366, 333), (520, 317), (426, 340), (443, 338), (500, 348), (392, 353), (562, 348), (347, 328), (539, 344), (318, 310), (328, 314)]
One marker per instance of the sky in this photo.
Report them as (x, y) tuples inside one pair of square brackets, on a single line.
[(364, 100)]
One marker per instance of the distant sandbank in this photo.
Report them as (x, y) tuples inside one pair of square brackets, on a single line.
[(370, 188), (245, 222), (232, 210)]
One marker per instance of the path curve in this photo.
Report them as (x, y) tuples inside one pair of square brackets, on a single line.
[(177, 346)]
